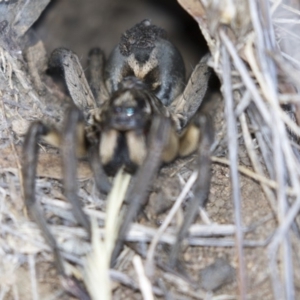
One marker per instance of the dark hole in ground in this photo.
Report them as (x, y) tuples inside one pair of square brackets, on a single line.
[(81, 25)]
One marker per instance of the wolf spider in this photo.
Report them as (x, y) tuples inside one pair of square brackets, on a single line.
[(136, 113)]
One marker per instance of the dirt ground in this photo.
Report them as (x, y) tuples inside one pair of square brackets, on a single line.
[(81, 25)]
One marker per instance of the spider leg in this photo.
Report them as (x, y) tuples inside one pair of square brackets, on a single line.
[(160, 129), (74, 135), (184, 107), (203, 123), (101, 179), (29, 165), (95, 75), (76, 82)]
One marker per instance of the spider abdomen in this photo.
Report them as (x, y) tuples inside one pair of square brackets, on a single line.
[(145, 53)]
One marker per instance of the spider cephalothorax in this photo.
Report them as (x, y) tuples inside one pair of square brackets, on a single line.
[(125, 122), (141, 113)]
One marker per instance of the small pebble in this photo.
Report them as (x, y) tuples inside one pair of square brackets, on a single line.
[(215, 275)]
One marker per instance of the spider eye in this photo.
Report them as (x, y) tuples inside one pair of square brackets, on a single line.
[(130, 111)]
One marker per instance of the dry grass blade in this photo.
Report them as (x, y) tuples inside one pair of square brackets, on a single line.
[(97, 263), (265, 42), (168, 219), (254, 159), (233, 154), (144, 282), (114, 202), (96, 269), (32, 266)]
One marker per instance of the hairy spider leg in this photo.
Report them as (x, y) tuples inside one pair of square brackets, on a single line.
[(74, 76), (186, 105), (73, 133), (101, 180), (142, 181), (95, 75), (30, 159), (200, 130)]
